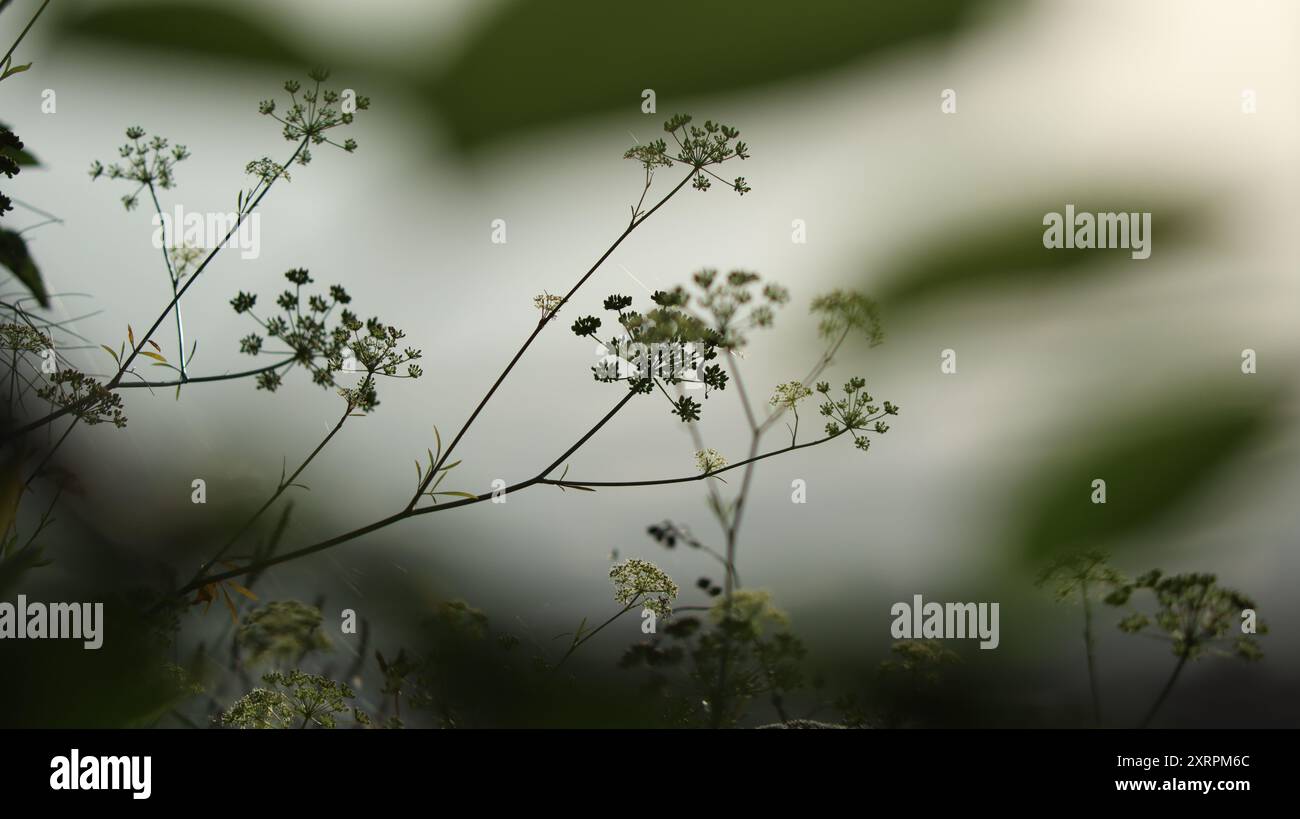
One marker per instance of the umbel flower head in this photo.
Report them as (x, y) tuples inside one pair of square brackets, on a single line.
[(709, 460), (292, 700), (370, 348), (547, 303), (146, 163), (789, 394), (699, 147), (675, 340), (91, 402), (640, 581), (312, 111), (855, 413)]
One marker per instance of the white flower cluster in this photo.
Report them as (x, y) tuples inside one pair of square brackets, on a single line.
[(641, 581), (709, 460), (787, 395)]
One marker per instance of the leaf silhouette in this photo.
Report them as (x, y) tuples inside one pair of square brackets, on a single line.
[(192, 29), (1006, 250), (582, 55), (1155, 460), (14, 256)]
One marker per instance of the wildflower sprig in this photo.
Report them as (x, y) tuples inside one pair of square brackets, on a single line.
[(640, 582), (1196, 615), (1084, 575), (709, 460), (637, 584), (150, 165), (699, 147), (673, 342), (742, 650), (88, 400), (293, 699), (788, 396), (147, 164), (1193, 612), (664, 345), (23, 339), (854, 413), (844, 312), (314, 111), (326, 348)]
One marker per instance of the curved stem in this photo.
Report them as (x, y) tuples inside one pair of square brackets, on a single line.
[(285, 483), (1164, 692), (424, 484), (28, 28), (1089, 647), (700, 477), (200, 379), (171, 275), (578, 642), (125, 365)]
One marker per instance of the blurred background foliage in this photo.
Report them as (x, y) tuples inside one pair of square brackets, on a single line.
[(1176, 431)]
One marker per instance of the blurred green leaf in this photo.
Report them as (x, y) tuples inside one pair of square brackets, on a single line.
[(203, 30), (1155, 461), (539, 62), (14, 255), (1005, 250), (535, 63)]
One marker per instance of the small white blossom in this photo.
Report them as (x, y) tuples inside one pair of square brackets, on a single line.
[(709, 460), (546, 303), (787, 395), (641, 581)]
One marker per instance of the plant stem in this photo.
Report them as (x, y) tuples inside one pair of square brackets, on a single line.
[(1164, 693), (537, 479), (171, 275), (1089, 647), (135, 352), (285, 483), (261, 565), (200, 379), (424, 484), (578, 642), (50, 454), (30, 23)]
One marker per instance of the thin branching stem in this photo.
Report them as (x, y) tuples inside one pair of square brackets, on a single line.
[(636, 222), (30, 23), (125, 365), (285, 483), (171, 276)]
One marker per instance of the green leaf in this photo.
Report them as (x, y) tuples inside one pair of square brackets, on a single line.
[(1156, 461), (14, 255), (194, 30), (1004, 250), (588, 56), (16, 69)]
